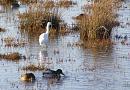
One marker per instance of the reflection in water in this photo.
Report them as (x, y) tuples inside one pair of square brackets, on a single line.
[(99, 68), (52, 82), (44, 60), (43, 55), (1, 9)]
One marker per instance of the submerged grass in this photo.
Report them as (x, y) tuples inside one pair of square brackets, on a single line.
[(100, 20), (11, 56), (33, 67), (66, 3), (13, 42)]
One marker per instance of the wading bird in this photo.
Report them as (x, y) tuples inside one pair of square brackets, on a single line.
[(43, 38)]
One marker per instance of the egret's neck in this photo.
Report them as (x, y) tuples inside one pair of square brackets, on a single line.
[(47, 29)]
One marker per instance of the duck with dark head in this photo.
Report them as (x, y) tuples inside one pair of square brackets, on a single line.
[(53, 74)]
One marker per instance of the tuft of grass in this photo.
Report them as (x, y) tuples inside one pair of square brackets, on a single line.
[(28, 1), (100, 21), (11, 56), (12, 42), (66, 3), (33, 67)]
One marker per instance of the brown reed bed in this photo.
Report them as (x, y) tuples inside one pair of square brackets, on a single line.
[(7, 2), (33, 67), (66, 3), (34, 21), (51, 3), (28, 1), (100, 21), (12, 42), (11, 56), (4, 2)]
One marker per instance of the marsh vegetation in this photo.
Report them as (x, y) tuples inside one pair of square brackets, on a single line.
[(92, 49), (98, 23), (11, 56)]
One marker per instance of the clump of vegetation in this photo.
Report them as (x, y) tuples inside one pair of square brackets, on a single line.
[(7, 2), (33, 67), (11, 56), (2, 30), (28, 1), (34, 20), (100, 21), (12, 42), (49, 4), (66, 3)]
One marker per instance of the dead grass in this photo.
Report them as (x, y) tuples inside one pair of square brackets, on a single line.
[(66, 3), (4, 2), (28, 1), (11, 56), (12, 42), (51, 3), (34, 20), (33, 67), (101, 14)]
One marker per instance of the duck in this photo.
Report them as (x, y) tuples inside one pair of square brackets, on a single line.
[(53, 74), (28, 77)]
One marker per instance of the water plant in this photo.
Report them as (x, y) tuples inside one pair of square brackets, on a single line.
[(33, 67), (66, 3), (11, 56), (13, 42), (98, 21)]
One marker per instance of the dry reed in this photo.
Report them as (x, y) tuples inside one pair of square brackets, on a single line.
[(66, 3), (33, 67), (100, 21), (34, 20), (11, 56)]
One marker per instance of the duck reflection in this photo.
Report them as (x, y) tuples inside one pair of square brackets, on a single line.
[(53, 81)]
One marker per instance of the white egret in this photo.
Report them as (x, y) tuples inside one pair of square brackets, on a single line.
[(43, 38)]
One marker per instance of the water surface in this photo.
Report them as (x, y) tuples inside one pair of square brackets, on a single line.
[(85, 68)]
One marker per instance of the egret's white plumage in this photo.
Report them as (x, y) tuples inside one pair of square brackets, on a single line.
[(43, 38)]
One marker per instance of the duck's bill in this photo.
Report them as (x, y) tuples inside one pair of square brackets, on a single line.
[(63, 74)]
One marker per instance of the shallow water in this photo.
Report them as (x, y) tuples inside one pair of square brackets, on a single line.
[(85, 69)]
